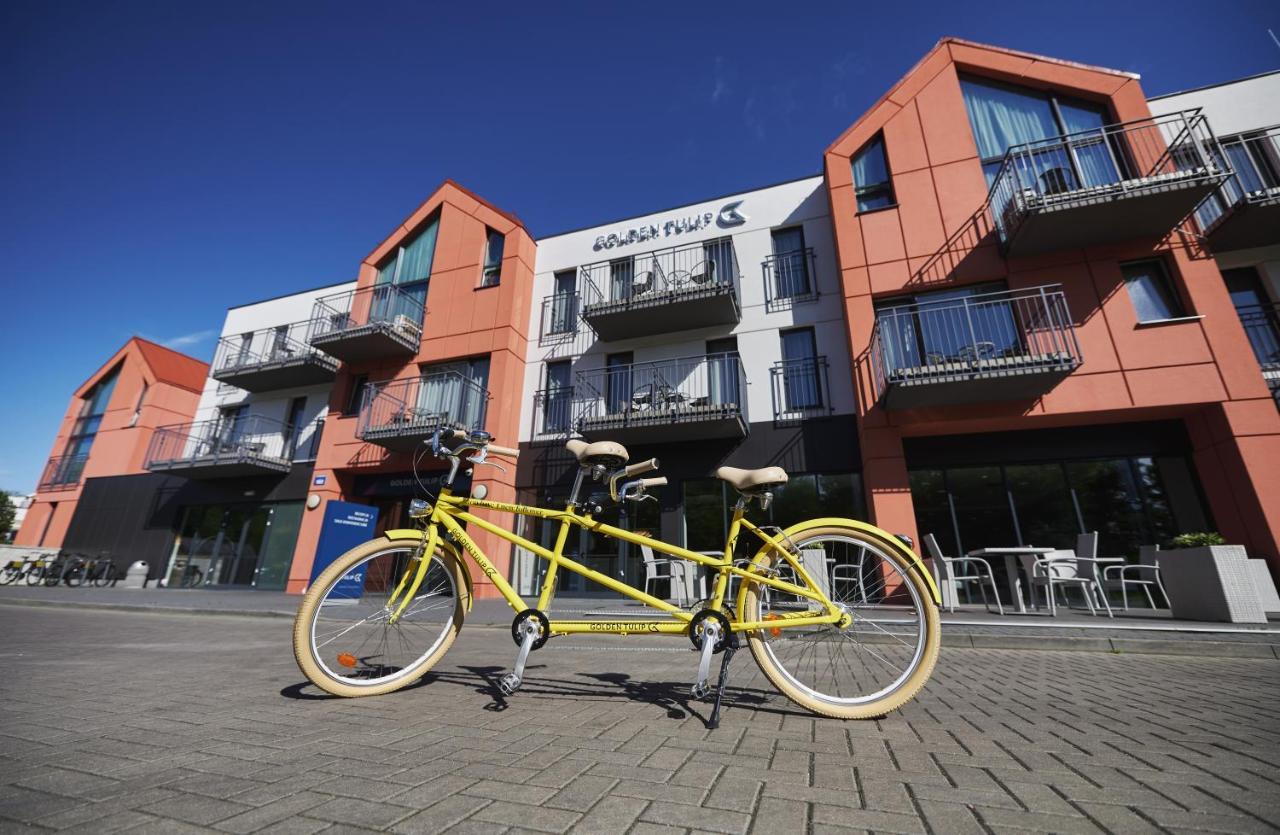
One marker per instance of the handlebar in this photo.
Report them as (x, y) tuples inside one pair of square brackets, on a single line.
[(640, 467), (507, 452), (660, 481)]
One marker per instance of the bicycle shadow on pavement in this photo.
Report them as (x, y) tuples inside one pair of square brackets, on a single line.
[(307, 692)]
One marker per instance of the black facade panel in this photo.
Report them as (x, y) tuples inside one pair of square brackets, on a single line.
[(1166, 437)]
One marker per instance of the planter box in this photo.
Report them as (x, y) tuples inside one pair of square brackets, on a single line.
[(1211, 583)]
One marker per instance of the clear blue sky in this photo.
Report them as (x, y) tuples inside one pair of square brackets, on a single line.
[(163, 161)]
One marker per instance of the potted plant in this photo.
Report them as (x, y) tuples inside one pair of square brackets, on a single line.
[(1207, 579)]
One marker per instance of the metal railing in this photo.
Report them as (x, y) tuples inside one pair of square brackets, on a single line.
[(553, 412), (665, 391), (1262, 326), (62, 472), (1254, 160), (559, 315), (1010, 331), (1101, 164), (382, 305), (800, 388), (232, 440), (790, 277), (660, 275), (280, 344), (420, 405)]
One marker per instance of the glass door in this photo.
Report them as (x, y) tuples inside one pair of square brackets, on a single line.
[(722, 372)]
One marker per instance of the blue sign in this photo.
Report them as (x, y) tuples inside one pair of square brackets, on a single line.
[(345, 526), (319, 480)]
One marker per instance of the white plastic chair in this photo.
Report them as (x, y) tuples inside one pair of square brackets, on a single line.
[(657, 569), (951, 570), (1124, 576), (1067, 569)]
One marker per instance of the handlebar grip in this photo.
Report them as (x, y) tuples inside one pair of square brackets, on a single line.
[(494, 449), (640, 467), (660, 481)]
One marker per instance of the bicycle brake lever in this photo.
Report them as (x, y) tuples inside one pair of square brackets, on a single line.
[(476, 459)]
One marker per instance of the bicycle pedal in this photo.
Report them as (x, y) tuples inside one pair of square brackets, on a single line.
[(700, 689), (509, 684)]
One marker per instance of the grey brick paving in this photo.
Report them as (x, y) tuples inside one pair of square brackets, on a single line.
[(157, 722)]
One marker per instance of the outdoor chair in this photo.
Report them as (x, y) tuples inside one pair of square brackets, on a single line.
[(1065, 569), (1143, 574), (952, 570), (851, 574), (657, 569)]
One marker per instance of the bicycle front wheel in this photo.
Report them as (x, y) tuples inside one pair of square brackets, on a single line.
[(348, 638), (876, 663), (9, 575), (35, 575)]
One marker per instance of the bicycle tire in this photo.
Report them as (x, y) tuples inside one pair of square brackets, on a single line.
[(9, 575), (53, 575), (105, 576), (305, 646), (35, 575), (75, 573), (836, 705)]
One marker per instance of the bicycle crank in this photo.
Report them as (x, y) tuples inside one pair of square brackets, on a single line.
[(531, 630)]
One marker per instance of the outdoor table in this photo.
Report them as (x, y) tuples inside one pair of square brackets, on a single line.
[(1011, 555)]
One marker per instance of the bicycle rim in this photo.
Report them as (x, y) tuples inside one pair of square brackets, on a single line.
[(351, 636), (872, 665)]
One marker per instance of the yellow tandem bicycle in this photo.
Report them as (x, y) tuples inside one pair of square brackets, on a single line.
[(841, 616)]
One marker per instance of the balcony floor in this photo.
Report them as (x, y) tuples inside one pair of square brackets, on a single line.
[(667, 312), (666, 425), (1144, 208), (407, 435), (294, 372), (1251, 223), (946, 384), (368, 342), (210, 467)]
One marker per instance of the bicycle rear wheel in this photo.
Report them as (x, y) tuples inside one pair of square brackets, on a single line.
[(344, 639), (76, 572), (35, 575), (10, 575), (872, 666)]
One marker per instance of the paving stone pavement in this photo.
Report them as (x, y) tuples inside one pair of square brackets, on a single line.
[(113, 721)]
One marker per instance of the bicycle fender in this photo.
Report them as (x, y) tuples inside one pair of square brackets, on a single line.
[(880, 535), (403, 534)]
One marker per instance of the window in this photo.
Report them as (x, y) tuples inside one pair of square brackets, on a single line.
[(618, 382), (723, 375), (137, 407), (1002, 116), (409, 268), (790, 263), (871, 183), (563, 313), (355, 396), (621, 273), (293, 425), (801, 389), (557, 395), (458, 390), (708, 506), (1260, 318), (959, 324), (85, 429), (494, 242), (1150, 291)]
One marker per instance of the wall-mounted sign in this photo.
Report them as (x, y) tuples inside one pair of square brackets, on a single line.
[(319, 480), (727, 217)]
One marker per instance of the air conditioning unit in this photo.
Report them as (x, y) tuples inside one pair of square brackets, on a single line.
[(407, 326)]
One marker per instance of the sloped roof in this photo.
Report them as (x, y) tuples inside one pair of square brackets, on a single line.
[(173, 367)]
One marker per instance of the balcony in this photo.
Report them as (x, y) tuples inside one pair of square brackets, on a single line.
[(1262, 326), (272, 359), (801, 389), (1010, 345), (62, 472), (368, 324), (228, 447), (1245, 212), (789, 279), (553, 413), (559, 318), (686, 399), (666, 290), (1133, 180), (401, 414)]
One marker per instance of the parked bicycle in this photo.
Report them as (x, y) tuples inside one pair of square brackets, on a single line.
[(387, 611)]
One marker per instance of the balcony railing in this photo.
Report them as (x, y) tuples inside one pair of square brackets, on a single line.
[(272, 359), (230, 447), (1245, 211), (800, 388), (368, 323), (1133, 180), (789, 278), (689, 398), (992, 346), (691, 286), (559, 317), (553, 413), (62, 472), (1262, 326), (400, 414)]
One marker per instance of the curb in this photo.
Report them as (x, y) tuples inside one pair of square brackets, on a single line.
[(950, 640)]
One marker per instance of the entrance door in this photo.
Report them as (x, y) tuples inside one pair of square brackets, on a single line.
[(244, 529)]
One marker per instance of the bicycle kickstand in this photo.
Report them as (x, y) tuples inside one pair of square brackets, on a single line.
[(730, 647), (511, 682)]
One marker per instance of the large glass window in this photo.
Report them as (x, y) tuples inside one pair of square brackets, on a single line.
[(92, 409), (1260, 318), (461, 395), (790, 263), (618, 388), (564, 301), (960, 324), (1150, 291), (801, 389), (708, 506), (409, 268), (871, 182), (557, 396), (494, 243)]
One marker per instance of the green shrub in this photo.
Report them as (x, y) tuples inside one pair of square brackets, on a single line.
[(1197, 540)]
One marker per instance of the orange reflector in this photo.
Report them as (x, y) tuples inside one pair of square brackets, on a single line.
[(346, 659), (775, 631)]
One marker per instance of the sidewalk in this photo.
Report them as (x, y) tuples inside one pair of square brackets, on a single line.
[(1141, 631)]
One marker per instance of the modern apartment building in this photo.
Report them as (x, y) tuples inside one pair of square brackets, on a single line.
[(1019, 303), (107, 429)]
